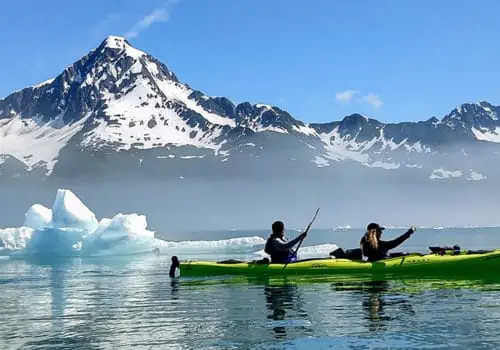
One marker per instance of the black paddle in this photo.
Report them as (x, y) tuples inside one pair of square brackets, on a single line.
[(306, 231)]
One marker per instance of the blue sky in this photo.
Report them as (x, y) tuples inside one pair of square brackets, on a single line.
[(319, 59)]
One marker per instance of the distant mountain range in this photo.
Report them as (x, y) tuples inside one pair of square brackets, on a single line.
[(119, 112)]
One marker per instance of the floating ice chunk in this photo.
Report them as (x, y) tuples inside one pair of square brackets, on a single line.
[(71, 229), (38, 217), (225, 245), (130, 225), (69, 211), (54, 241), (125, 232), (15, 238), (319, 251)]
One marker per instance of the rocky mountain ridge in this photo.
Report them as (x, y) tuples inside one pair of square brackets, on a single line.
[(118, 111)]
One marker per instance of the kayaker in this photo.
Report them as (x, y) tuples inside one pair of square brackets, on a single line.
[(174, 267), (373, 248), (278, 248)]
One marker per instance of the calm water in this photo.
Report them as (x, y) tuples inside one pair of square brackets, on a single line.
[(112, 303)]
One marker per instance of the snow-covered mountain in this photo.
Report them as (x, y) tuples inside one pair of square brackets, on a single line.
[(120, 112)]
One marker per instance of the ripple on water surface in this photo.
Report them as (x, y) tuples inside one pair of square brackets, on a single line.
[(120, 303)]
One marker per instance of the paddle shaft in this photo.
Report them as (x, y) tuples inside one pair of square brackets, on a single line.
[(307, 230)]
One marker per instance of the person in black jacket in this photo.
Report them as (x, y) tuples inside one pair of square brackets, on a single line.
[(278, 248), (374, 248)]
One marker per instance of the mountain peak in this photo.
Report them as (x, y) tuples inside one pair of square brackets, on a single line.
[(121, 44), (118, 101), (115, 42)]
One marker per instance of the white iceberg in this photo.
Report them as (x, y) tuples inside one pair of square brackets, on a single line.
[(38, 217), (72, 229), (12, 239), (69, 211), (124, 234), (231, 245)]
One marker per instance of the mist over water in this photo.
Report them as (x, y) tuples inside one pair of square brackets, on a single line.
[(176, 207), (179, 206)]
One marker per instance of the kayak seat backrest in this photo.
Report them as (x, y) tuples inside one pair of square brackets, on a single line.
[(352, 254), (230, 261)]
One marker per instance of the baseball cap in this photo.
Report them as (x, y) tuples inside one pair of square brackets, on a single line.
[(374, 226)]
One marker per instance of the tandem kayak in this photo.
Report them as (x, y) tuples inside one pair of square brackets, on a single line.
[(473, 264)]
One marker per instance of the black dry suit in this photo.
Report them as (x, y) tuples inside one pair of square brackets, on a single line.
[(383, 246), (280, 250)]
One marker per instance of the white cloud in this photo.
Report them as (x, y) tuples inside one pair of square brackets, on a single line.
[(160, 14), (373, 99), (345, 96), (101, 27)]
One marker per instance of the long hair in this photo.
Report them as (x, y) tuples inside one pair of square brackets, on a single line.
[(371, 239)]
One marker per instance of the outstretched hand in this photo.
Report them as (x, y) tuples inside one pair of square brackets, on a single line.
[(413, 229)]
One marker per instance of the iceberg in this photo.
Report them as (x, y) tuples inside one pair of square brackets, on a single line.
[(70, 228), (12, 239), (69, 211), (37, 217), (123, 234)]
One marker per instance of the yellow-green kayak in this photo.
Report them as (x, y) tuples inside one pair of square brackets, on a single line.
[(414, 264)]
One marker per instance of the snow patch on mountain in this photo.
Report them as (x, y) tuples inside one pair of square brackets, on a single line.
[(43, 83), (192, 157), (384, 165), (417, 147), (179, 92), (320, 162), (119, 43), (306, 130), (486, 135), (35, 142), (438, 174), (148, 129), (487, 108), (476, 176), (341, 148), (419, 166), (388, 144), (257, 125), (140, 115)]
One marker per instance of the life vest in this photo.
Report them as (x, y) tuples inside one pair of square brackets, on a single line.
[(279, 257)]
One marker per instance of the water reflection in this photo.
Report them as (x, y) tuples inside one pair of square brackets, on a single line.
[(174, 288), (286, 306), (380, 303), (57, 278), (66, 330), (374, 305), (91, 304)]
